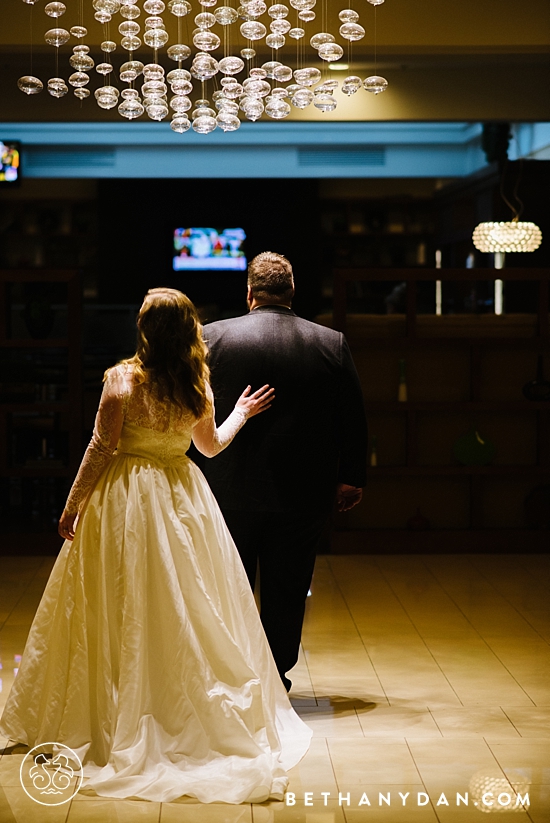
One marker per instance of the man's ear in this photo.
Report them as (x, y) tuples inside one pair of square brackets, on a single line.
[(249, 295)]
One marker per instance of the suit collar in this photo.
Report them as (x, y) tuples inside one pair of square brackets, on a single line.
[(275, 309)]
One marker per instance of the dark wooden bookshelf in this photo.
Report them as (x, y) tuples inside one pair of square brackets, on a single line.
[(413, 335)]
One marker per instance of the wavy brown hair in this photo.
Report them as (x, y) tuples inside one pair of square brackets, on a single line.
[(171, 349)]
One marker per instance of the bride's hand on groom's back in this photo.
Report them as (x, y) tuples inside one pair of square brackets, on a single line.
[(257, 402)]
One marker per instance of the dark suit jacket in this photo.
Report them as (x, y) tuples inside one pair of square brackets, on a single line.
[(313, 436)]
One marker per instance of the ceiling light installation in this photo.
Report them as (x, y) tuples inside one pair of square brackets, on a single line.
[(235, 83)]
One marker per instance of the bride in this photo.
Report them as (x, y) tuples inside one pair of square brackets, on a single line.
[(147, 656)]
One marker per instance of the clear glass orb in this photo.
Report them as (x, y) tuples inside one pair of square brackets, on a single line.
[(30, 3), (253, 30), (29, 84), (307, 76), (130, 12), (157, 111), (154, 23), (130, 70), (107, 91), (348, 16), (182, 87), (330, 52), (153, 71), (154, 6), (79, 79), (81, 49), (57, 87), (296, 33), (231, 65), (243, 14), (256, 88), (252, 107), (102, 17), (224, 104), (282, 74), (205, 20), (277, 109), (78, 31), (302, 98), (302, 5), (110, 6), (130, 43), (306, 16), (280, 92), (376, 2), (180, 124), (278, 11), (155, 38), (108, 46), (375, 84), (324, 102), (320, 39), (55, 9), (328, 85), (352, 31), (179, 52), (204, 69), (232, 92), (208, 3), (275, 41), (179, 8), (130, 94), (180, 103), (204, 124), (227, 121), (206, 41), (279, 26), (351, 84), (270, 67), (129, 27), (104, 68), (131, 108), (259, 72), (177, 75), (154, 88), (81, 93), (255, 8), (56, 37), (248, 54), (225, 15), (81, 62)]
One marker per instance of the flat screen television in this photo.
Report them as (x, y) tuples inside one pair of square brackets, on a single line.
[(10, 162), (207, 249)]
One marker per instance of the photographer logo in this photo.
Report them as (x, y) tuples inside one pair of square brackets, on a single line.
[(51, 774)]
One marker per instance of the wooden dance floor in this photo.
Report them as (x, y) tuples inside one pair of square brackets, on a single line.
[(425, 679)]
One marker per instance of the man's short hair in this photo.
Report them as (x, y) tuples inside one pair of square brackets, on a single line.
[(270, 277)]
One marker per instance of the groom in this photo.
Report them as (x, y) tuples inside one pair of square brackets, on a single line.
[(276, 483)]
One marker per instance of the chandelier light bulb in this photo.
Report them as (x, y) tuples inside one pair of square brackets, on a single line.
[(512, 236)]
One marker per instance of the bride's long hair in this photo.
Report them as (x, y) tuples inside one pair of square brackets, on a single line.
[(170, 349)]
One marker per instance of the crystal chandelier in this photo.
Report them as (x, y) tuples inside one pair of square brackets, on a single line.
[(238, 85), (511, 236)]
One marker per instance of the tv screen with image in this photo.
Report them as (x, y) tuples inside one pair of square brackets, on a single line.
[(207, 249), (10, 161)]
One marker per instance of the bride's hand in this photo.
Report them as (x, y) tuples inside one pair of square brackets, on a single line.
[(65, 526), (257, 402)]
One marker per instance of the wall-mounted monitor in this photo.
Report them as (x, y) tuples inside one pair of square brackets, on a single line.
[(204, 249), (10, 162)]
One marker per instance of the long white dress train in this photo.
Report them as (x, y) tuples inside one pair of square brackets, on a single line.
[(147, 655)]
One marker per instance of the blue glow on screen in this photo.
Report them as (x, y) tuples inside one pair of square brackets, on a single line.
[(206, 249)]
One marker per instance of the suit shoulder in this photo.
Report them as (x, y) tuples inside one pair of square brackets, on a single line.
[(219, 327), (324, 333)]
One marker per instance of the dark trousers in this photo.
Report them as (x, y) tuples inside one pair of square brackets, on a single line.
[(285, 545)]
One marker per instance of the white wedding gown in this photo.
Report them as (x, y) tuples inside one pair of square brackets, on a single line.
[(147, 655)]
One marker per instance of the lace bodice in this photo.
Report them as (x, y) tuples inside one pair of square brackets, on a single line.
[(136, 419)]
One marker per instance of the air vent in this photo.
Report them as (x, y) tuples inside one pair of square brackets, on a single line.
[(69, 157), (342, 156)]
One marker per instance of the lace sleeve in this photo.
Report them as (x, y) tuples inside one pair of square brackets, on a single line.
[(210, 440), (107, 428)]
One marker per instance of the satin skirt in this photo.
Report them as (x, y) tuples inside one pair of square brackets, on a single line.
[(147, 655)]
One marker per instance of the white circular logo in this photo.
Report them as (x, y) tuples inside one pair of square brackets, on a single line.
[(51, 774)]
